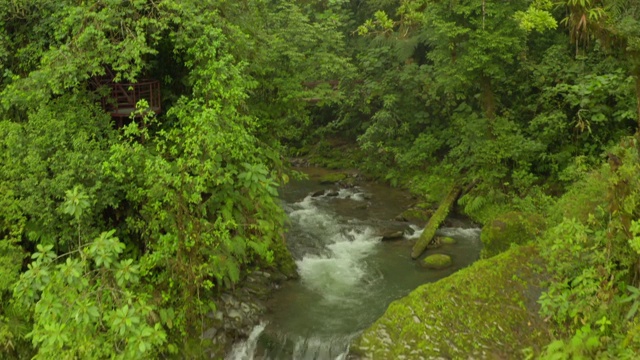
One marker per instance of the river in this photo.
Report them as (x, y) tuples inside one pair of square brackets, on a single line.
[(348, 276)]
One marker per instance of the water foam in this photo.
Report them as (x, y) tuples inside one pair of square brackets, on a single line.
[(244, 350), (338, 267), (354, 193), (471, 234), (417, 231), (308, 215), (341, 270)]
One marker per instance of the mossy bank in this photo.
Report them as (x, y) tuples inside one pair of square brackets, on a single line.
[(487, 311)]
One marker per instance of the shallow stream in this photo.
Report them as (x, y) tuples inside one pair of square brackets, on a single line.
[(348, 276)]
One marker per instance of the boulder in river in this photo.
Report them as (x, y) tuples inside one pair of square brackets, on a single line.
[(392, 235), (332, 193), (349, 182), (317, 193), (299, 162), (437, 261), (332, 178), (446, 240), (237, 313), (416, 214)]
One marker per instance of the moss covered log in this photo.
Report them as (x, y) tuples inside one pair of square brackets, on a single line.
[(486, 311), (434, 222)]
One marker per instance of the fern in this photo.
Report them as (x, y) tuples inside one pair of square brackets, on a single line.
[(405, 48), (476, 204)]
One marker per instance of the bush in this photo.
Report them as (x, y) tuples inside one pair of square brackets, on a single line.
[(509, 228)]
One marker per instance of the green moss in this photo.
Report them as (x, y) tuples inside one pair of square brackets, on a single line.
[(509, 228), (589, 193), (436, 261), (486, 311), (350, 181), (332, 178), (447, 240), (416, 215)]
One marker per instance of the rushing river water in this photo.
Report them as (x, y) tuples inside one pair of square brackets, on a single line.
[(348, 276)]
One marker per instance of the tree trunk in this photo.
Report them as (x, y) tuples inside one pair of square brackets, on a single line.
[(637, 76), (435, 221), (487, 98)]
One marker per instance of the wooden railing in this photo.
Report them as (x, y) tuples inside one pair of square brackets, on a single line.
[(121, 102)]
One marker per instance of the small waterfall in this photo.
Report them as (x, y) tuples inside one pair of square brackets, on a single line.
[(464, 234), (244, 350), (314, 347)]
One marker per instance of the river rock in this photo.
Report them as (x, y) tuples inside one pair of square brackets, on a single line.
[(332, 178), (209, 334), (393, 235), (299, 162), (238, 311), (366, 196), (416, 215), (332, 193), (233, 313), (349, 182), (446, 240), (437, 261), (317, 193), (435, 243)]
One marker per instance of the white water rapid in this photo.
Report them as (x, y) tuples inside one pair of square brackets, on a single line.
[(336, 269)]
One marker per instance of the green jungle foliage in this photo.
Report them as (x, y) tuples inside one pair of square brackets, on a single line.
[(593, 253), (116, 240)]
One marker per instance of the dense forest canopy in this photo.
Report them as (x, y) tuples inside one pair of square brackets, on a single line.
[(116, 240)]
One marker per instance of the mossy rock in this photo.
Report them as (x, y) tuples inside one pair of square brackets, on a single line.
[(437, 261), (283, 260), (509, 228), (332, 178), (415, 215), (349, 181), (445, 240), (488, 310)]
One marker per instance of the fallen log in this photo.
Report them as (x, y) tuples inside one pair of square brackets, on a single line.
[(434, 222)]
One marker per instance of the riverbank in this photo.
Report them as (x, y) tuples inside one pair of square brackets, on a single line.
[(488, 310), (237, 313)]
